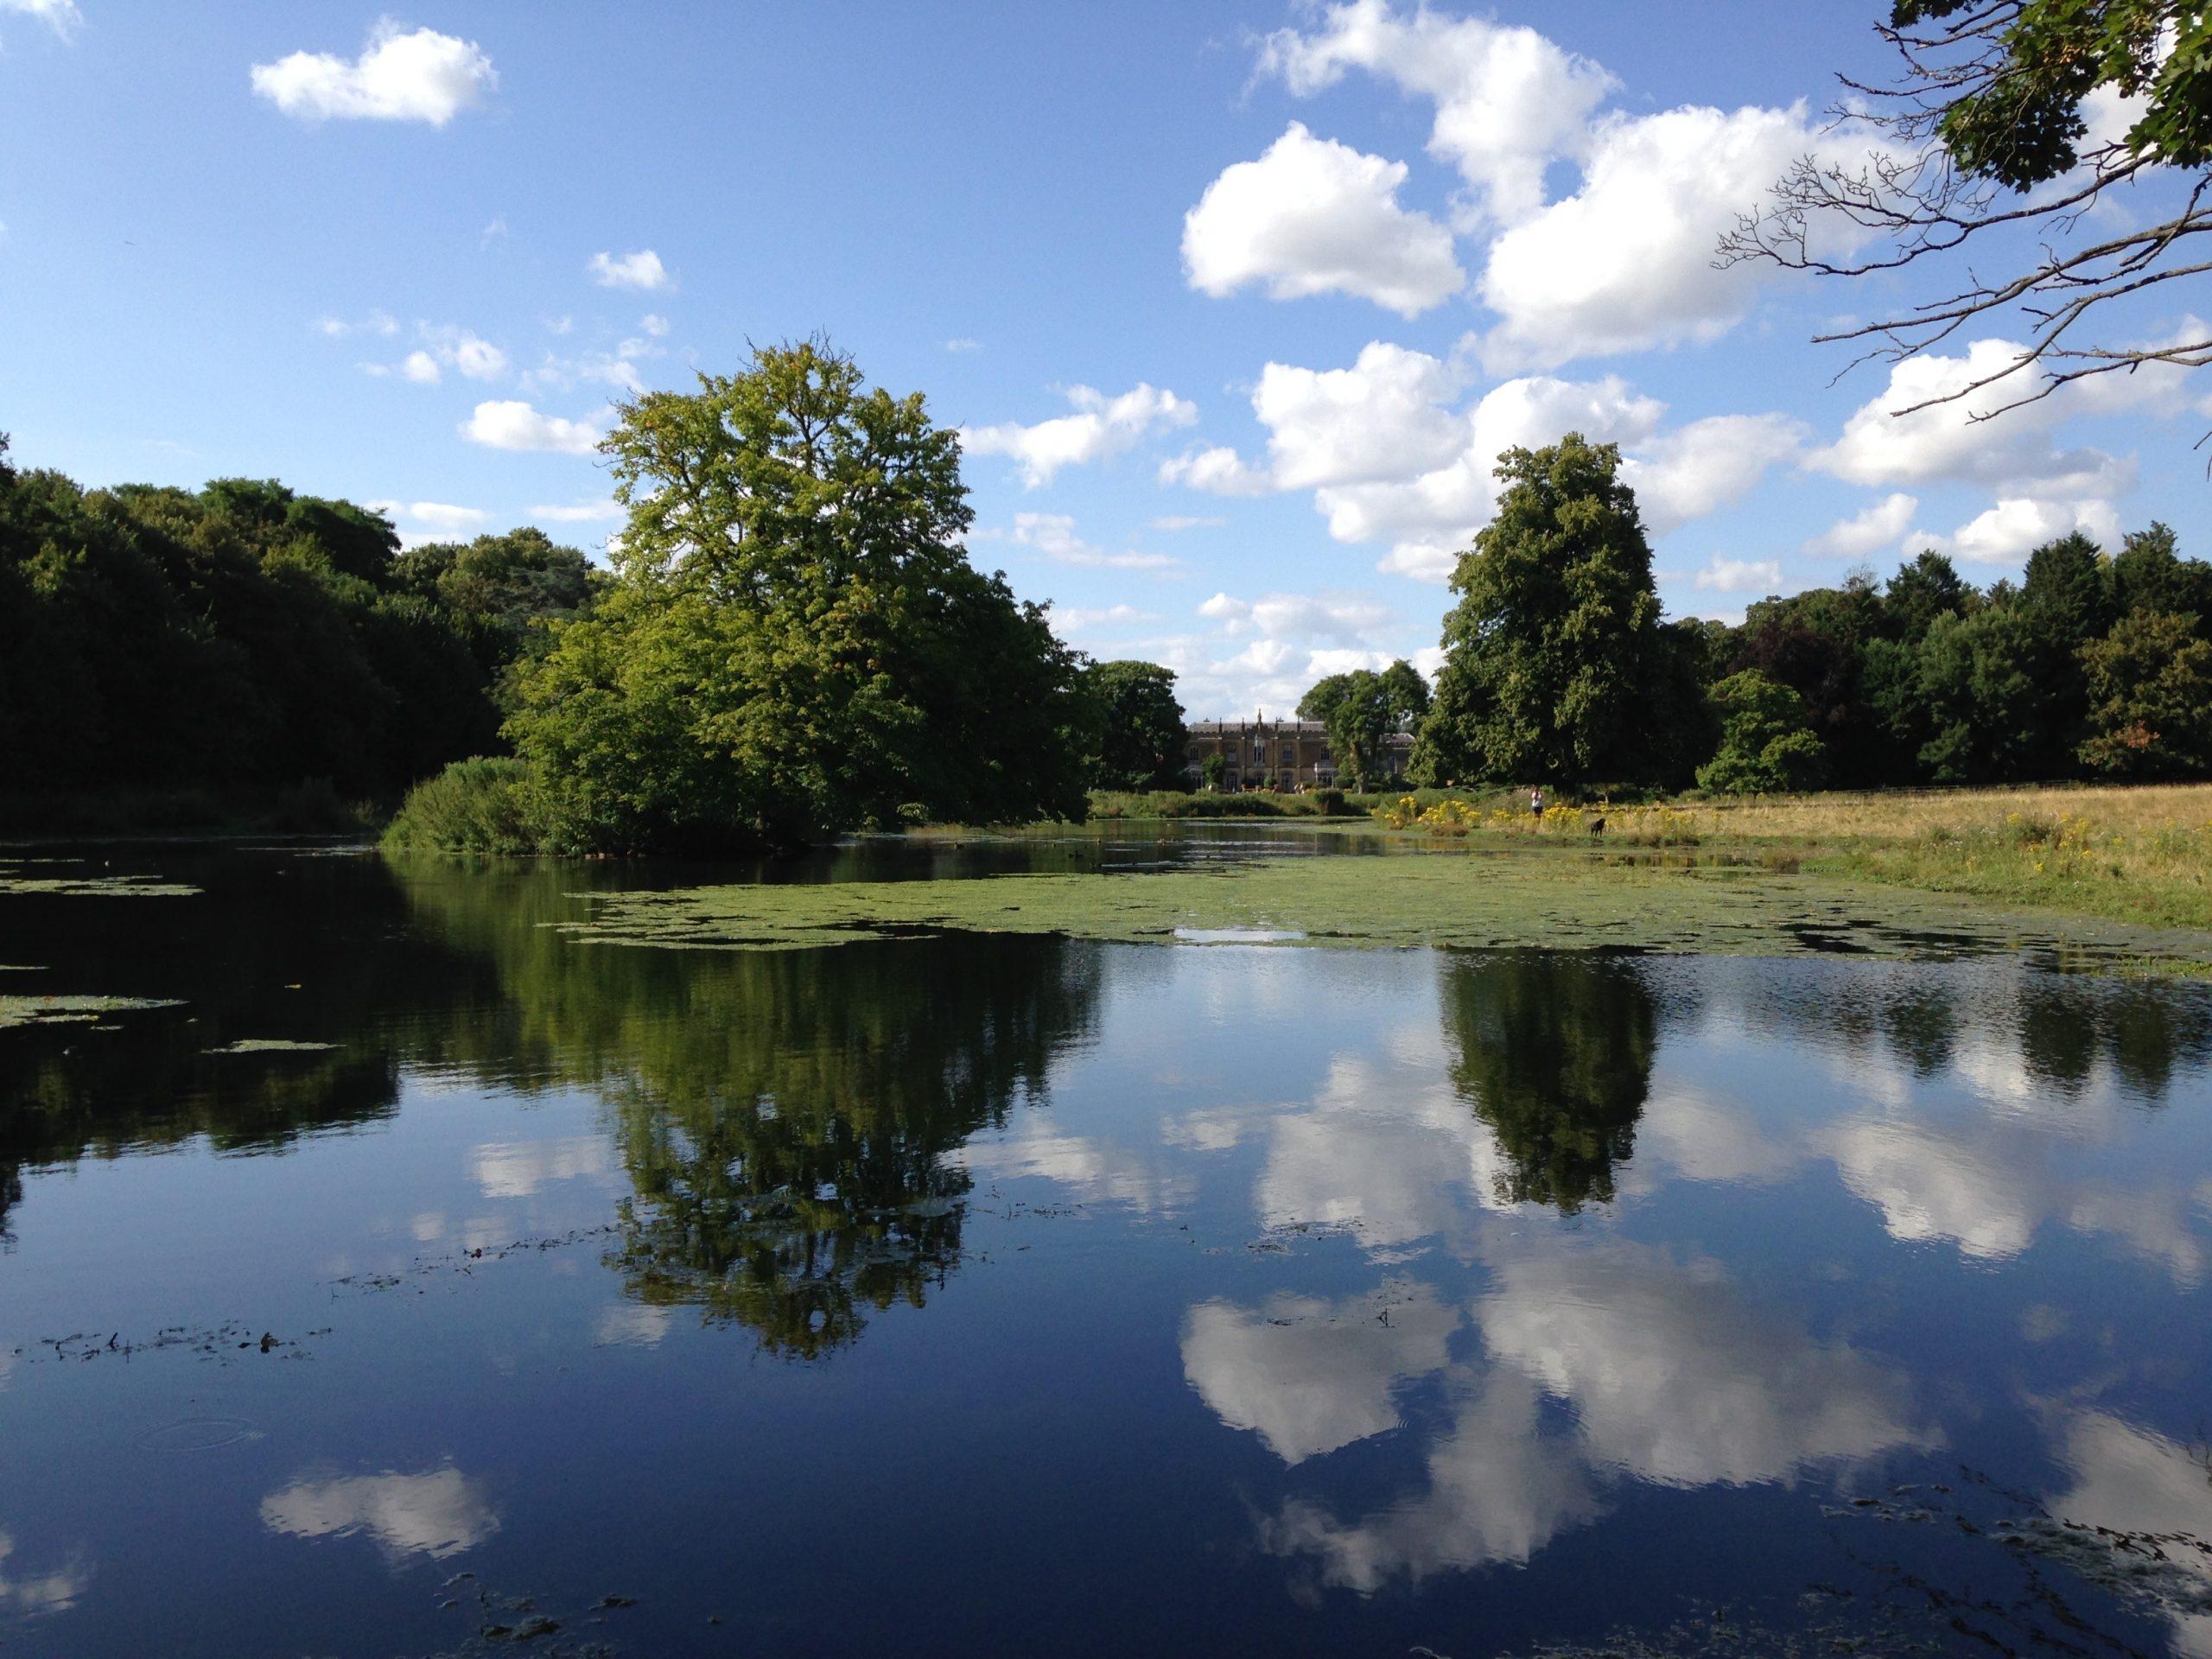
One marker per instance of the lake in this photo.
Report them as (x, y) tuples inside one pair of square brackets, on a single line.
[(976, 1293)]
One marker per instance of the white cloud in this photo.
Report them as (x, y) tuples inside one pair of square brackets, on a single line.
[(653, 324), (2016, 526), (1710, 464), (1955, 440), (60, 16), (440, 514), (961, 343), (1101, 426), (642, 270), (377, 322), (1508, 100), (1345, 619), (475, 357), (1075, 620), (1739, 576), (512, 424), (1313, 216), (1380, 418), (1217, 470), (578, 512), (437, 1515), (1054, 535), (1174, 521), (1624, 261), (1866, 532), (422, 368), (422, 76)]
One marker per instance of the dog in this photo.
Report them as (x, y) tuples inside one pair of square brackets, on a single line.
[(1597, 827)]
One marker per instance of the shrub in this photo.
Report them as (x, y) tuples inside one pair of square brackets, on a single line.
[(473, 806)]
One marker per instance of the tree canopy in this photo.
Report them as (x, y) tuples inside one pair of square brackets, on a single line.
[(1552, 652), (795, 643), (1141, 742)]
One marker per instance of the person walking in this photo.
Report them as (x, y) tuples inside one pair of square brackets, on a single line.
[(1536, 803)]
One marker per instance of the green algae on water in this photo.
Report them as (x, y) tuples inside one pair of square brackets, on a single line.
[(269, 1046), (72, 1010), (1452, 899), (15, 877)]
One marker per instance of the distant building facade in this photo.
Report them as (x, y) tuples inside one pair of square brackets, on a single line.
[(1286, 755)]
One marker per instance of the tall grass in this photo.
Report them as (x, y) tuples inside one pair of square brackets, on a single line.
[(473, 806)]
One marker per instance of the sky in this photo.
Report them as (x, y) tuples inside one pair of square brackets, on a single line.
[(1235, 303)]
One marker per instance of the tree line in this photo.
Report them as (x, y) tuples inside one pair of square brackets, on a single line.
[(1559, 668), (245, 636)]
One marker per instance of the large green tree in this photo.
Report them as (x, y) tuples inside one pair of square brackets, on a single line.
[(2149, 691), (1767, 741), (795, 644), (1553, 651), (1141, 742)]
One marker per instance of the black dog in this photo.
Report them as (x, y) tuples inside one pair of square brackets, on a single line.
[(1597, 827)]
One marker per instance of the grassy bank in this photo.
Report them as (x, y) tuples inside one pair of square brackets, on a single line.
[(2140, 854)]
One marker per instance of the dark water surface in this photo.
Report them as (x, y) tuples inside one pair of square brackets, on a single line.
[(977, 1295)]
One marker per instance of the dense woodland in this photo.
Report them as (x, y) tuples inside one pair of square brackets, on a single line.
[(243, 637)]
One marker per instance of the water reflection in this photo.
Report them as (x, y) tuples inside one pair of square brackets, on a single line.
[(1408, 1265), (436, 1514)]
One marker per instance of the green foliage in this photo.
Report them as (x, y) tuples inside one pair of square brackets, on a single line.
[(1767, 745), (1357, 710), (1143, 742), (2025, 125), (237, 639), (795, 643), (507, 592), (1405, 694), (1552, 652), (480, 805), (2150, 687), (1213, 769)]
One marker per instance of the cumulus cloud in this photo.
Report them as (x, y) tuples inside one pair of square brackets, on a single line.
[(422, 368), (653, 324), (1054, 535), (1343, 618), (1866, 532), (1392, 456), (510, 424), (642, 270), (417, 76), (1313, 216), (60, 16), (1710, 464), (1739, 576), (1957, 441), (1101, 426), (2016, 526), (1507, 101), (1622, 263)]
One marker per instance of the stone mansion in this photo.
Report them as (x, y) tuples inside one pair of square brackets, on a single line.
[(1287, 754)]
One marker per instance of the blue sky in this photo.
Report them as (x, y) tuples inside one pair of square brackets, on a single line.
[(1234, 301)]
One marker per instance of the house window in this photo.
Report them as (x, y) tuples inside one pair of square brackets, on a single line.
[(1289, 755)]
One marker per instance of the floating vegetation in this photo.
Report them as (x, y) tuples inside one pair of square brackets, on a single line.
[(72, 1010), (1451, 899), (22, 877), (269, 1046)]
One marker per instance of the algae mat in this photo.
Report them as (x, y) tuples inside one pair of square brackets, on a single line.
[(1472, 900)]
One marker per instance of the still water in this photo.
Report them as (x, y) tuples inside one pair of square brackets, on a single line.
[(969, 1295)]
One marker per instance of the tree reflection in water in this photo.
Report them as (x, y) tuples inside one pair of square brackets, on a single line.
[(1554, 1054)]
